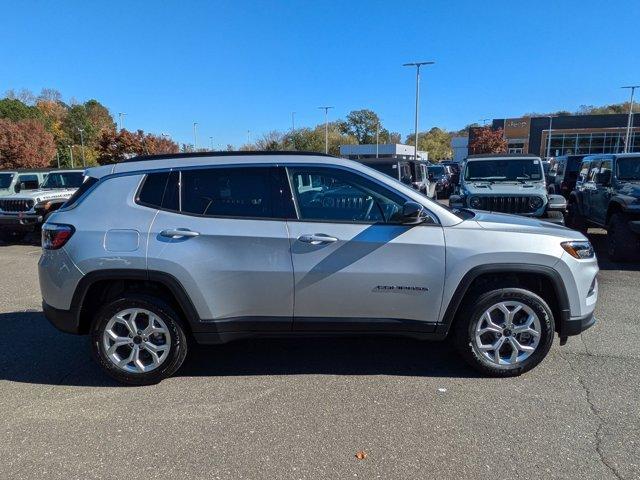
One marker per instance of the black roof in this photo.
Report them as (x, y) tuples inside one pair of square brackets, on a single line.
[(246, 153)]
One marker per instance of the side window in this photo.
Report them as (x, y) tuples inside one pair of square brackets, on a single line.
[(584, 171), (228, 192), (595, 168), (30, 181), (160, 190), (337, 195)]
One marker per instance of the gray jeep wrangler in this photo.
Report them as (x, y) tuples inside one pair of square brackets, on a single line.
[(508, 183)]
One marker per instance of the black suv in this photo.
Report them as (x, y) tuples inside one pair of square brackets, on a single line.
[(607, 194), (563, 173)]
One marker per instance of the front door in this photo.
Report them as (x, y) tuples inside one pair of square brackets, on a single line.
[(601, 194), (354, 265)]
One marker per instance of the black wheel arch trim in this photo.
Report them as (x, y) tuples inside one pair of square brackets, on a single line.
[(463, 287), (166, 279)]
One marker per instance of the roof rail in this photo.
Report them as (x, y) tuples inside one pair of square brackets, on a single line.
[(246, 153)]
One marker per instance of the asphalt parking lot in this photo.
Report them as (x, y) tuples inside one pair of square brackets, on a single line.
[(303, 408)]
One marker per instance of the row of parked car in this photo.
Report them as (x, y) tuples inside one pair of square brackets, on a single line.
[(576, 190)]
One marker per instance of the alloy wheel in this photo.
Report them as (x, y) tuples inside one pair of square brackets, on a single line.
[(136, 340), (507, 333)]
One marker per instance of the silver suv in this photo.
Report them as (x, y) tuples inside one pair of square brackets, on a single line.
[(152, 252)]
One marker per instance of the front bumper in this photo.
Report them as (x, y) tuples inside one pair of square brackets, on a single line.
[(576, 325), (20, 221)]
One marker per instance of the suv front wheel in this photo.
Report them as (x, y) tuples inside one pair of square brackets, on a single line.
[(138, 339), (504, 332)]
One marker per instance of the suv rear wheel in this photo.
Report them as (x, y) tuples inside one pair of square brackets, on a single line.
[(573, 219), (505, 332), (622, 243), (138, 340)]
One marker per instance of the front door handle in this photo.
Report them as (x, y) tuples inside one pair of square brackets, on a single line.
[(177, 232), (317, 238)]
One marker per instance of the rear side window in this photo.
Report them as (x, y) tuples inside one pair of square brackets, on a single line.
[(227, 192), (160, 190), (86, 185)]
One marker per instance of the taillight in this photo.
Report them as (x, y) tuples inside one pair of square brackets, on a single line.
[(55, 235)]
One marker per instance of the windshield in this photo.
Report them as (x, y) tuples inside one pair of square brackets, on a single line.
[(5, 180), (437, 171), (629, 168), (503, 170), (63, 180)]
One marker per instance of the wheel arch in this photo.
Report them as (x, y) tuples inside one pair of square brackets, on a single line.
[(101, 285), (500, 276), (615, 206)]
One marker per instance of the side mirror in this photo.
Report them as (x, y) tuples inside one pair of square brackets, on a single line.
[(18, 187), (413, 213)]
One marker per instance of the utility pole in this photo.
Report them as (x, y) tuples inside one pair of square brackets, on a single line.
[(326, 128), (417, 65), (211, 139), (81, 130), (627, 137), (71, 155), (121, 116), (549, 137), (293, 122), (248, 137), (195, 136), (377, 138)]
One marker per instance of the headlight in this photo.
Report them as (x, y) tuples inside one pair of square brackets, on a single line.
[(580, 250), (535, 203), (475, 202)]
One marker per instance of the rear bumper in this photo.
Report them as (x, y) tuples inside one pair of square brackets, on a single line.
[(576, 325), (64, 320)]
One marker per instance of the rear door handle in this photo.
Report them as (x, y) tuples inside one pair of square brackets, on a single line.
[(177, 232), (317, 238)]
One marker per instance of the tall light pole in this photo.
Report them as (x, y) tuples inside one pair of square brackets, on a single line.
[(211, 139), (293, 122), (121, 116), (248, 137), (627, 137), (377, 137), (417, 65), (71, 155), (195, 136), (549, 137), (81, 130), (326, 128)]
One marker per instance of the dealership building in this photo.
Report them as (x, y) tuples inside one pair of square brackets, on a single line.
[(570, 134)]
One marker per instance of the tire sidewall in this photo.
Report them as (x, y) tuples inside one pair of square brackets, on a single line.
[(177, 351), (467, 325)]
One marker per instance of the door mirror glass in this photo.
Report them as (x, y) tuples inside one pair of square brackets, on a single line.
[(413, 213)]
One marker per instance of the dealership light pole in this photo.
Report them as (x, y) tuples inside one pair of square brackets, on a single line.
[(627, 137), (212, 149), (81, 130), (326, 128), (377, 138), (417, 65), (121, 116), (293, 122), (195, 136), (549, 137)]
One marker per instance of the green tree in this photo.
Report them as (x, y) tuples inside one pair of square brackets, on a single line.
[(436, 141), (15, 110), (362, 125)]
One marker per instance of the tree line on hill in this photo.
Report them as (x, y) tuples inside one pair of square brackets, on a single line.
[(45, 131)]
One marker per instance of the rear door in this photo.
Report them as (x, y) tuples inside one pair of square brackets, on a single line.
[(355, 267), (224, 241)]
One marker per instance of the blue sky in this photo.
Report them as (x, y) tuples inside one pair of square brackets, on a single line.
[(234, 66)]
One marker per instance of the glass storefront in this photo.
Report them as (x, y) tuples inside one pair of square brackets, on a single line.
[(588, 143)]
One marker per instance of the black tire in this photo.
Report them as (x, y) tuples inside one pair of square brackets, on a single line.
[(178, 345), (573, 218), (468, 317), (12, 236), (622, 243)]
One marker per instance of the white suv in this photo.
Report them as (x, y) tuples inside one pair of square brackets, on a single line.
[(217, 247)]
